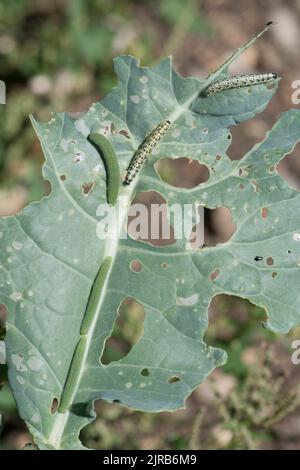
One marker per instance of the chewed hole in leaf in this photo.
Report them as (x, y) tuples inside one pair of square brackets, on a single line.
[(148, 221), (128, 329), (145, 372), (136, 266), (214, 275), (218, 226), (112, 128), (229, 316), (63, 177), (270, 86), (271, 169), (245, 136), (288, 168), (196, 237), (255, 185), (174, 379), (54, 405), (86, 188), (124, 133), (182, 172)]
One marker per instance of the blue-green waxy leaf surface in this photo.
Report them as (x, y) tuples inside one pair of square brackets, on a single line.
[(50, 252)]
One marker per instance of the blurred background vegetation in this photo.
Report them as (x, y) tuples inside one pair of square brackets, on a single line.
[(57, 56)]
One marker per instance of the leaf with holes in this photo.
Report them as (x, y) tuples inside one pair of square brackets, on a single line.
[(59, 319)]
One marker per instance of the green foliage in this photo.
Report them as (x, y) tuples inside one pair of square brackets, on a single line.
[(51, 253)]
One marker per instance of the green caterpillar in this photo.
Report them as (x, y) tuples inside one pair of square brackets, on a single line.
[(95, 295), (106, 150), (72, 376), (91, 310)]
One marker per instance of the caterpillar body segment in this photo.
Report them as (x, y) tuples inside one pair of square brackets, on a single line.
[(145, 150), (238, 81), (106, 150)]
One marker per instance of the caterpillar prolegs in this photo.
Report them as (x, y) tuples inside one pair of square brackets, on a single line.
[(145, 150), (238, 81)]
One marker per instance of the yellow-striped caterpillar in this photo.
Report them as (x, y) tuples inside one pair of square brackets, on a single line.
[(238, 81), (145, 150)]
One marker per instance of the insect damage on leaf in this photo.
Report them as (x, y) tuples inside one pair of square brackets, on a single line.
[(51, 279)]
